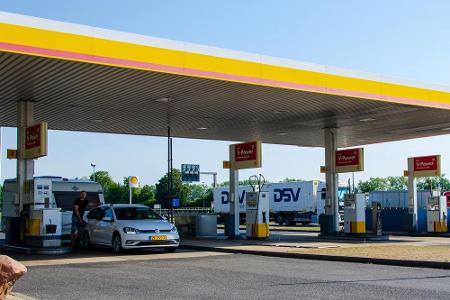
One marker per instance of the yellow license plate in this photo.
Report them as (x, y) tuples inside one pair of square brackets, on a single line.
[(158, 238)]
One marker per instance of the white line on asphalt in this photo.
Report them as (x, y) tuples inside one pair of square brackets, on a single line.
[(122, 258)]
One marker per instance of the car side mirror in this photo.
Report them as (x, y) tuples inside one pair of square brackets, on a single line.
[(107, 219)]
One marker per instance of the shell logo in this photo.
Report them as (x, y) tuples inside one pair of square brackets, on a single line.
[(133, 181)]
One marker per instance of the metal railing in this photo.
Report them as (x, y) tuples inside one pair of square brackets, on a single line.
[(187, 211)]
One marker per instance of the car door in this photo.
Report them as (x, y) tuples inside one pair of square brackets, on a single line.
[(105, 228), (92, 226)]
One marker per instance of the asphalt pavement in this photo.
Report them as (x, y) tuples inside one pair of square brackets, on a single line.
[(233, 276)]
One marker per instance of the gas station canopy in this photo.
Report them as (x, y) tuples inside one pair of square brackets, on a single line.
[(83, 78)]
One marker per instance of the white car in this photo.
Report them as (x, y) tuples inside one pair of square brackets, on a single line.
[(129, 226)]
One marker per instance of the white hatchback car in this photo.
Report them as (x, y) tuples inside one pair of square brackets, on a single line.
[(129, 226)]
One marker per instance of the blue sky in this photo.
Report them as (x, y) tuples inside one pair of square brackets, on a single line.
[(406, 39)]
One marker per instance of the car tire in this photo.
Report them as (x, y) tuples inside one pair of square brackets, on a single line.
[(86, 241), (170, 250), (117, 243)]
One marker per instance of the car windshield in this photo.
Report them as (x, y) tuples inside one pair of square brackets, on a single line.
[(136, 213)]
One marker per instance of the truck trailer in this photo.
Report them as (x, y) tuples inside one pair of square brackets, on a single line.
[(290, 202)]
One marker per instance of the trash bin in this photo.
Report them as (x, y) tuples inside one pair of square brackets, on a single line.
[(206, 226), (13, 230), (326, 224)]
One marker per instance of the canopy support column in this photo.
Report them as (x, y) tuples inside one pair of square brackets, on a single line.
[(412, 197), (331, 200), (25, 167), (233, 198)]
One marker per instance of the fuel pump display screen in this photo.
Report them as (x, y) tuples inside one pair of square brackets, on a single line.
[(251, 199), (433, 203)]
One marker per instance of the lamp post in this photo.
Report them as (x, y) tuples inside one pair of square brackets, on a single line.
[(93, 171)]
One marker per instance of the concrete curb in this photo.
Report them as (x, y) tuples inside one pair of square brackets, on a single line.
[(363, 260)]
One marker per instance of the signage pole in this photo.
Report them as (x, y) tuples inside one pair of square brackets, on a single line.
[(131, 195)]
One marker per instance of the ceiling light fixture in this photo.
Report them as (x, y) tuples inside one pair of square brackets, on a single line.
[(97, 120), (283, 133), (367, 120), (202, 128), (163, 100), (280, 111)]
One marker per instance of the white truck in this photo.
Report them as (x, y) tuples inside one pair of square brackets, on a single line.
[(290, 202), (51, 192)]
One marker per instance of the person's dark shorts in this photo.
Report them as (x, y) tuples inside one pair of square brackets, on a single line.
[(77, 227)]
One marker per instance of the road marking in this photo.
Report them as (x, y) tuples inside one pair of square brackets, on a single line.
[(19, 296), (122, 258)]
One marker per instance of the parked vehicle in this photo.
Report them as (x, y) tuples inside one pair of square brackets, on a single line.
[(290, 202), (129, 226)]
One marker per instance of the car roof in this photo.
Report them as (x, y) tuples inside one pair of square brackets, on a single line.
[(123, 205)]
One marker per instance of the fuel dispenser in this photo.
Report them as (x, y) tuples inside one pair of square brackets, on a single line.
[(376, 218), (354, 213), (437, 214), (257, 210)]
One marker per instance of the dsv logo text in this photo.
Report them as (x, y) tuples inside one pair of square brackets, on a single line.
[(225, 200), (286, 195)]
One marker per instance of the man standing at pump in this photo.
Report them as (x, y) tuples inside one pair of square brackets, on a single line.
[(79, 206)]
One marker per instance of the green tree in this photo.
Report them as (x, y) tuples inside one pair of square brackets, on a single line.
[(373, 184), (397, 183), (241, 182), (433, 183), (104, 179), (179, 189), (287, 179), (115, 194), (147, 195), (199, 195)]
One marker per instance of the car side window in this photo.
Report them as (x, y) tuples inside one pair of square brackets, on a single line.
[(93, 214), (109, 213), (100, 214)]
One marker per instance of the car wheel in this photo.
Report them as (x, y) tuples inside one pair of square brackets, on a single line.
[(170, 250), (86, 240), (117, 243)]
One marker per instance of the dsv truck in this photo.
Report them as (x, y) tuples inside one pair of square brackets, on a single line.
[(289, 203)]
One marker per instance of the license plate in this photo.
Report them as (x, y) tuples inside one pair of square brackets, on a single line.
[(158, 238)]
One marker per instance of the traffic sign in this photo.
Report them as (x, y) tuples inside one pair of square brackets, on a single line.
[(175, 202), (190, 172)]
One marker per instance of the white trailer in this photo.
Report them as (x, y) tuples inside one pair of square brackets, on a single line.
[(51, 192), (290, 202)]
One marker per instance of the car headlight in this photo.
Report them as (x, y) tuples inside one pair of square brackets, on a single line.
[(173, 229), (131, 230)]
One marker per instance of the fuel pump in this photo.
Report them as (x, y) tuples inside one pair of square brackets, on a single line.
[(437, 214), (376, 218), (257, 209), (354, 213)]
